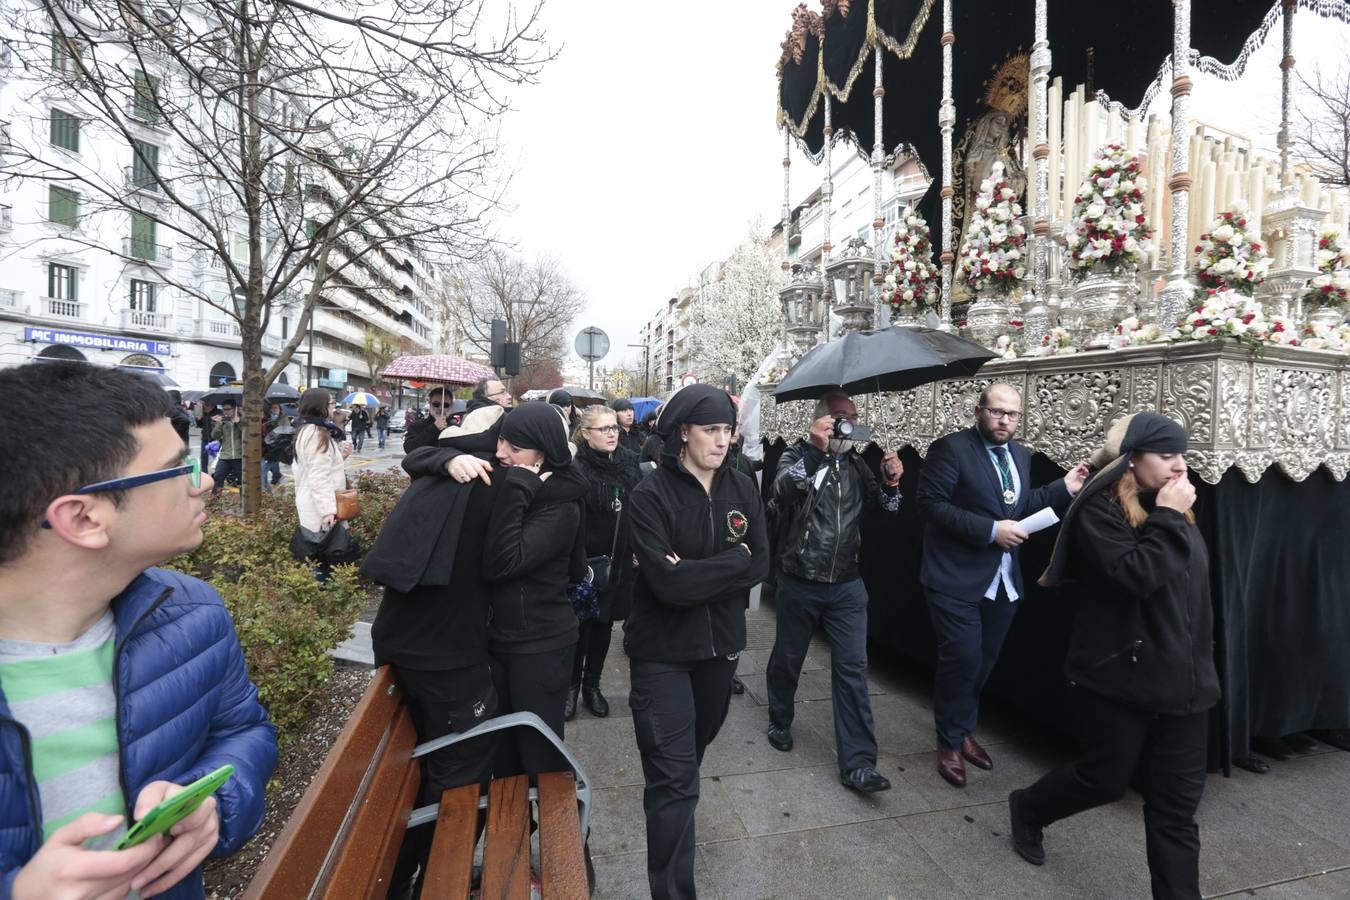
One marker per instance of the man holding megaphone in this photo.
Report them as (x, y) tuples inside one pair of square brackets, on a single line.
[(825, 487)]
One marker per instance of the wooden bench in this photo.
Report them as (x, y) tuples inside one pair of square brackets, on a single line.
[(343, 838)]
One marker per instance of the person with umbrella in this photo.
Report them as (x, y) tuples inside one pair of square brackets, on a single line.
[(230, 432), (974, 489), (360, 423), (825, 487)]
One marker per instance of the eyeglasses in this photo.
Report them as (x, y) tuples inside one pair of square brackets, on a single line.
[(605, 429), (1011, 415), (441, 405), (191, 467), (502, 393)]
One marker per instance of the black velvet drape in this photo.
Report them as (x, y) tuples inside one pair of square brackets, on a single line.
[(1280, 554)]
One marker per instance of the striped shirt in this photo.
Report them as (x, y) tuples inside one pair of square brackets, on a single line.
[(63, 694)]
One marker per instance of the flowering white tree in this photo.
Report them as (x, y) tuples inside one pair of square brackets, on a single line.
[(737, 321)]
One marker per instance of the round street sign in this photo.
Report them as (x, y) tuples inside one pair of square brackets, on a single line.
[(591, 343)]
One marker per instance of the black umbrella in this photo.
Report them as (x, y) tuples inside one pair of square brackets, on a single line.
[(893, 359), (277, 393)]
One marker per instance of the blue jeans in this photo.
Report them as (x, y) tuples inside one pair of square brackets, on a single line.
[(270, 465), (227, 470), (358, 438), (383, 433), (841, 609)]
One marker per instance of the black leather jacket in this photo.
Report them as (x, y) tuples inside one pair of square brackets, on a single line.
[(826, 511)]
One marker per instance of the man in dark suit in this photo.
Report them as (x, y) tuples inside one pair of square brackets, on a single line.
[(974, 488)]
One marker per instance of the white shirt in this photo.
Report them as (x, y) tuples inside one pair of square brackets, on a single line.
[(1004, 572)]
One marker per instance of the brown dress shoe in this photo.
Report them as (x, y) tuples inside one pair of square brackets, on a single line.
[(951, 768), (975, 754)]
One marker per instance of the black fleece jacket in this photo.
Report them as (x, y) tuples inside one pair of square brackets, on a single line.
[(693, 609), (534, 549), (1144, 631)]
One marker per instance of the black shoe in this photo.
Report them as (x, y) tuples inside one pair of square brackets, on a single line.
[(595, 702), (780, 738), (1253, 764), (866, 780), (1300, 743), (1270, 746), (737, 686), (1026, 838), (570, 706)]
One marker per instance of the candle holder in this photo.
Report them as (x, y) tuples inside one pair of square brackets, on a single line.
[(1290, 227), (802, 309), (851, 275)]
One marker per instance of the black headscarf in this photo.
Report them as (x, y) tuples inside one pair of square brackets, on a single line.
[(538, 426), (697, 404), (561, 398), (621, 404), (1145, 432)]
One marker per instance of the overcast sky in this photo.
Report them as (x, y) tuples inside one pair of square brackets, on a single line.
[(646, 149), (649, 146)]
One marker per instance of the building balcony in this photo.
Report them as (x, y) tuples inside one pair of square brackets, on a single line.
[(6, 218), (272, 343), (203, 259), (11, 300), (140, 320), (145, 112), (59, 308), (144, 250), (218, 330)]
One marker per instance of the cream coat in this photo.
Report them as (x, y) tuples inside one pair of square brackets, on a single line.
[(319, 474)]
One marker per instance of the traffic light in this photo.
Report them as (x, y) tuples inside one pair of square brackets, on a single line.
[(498, 342), (511, 358)]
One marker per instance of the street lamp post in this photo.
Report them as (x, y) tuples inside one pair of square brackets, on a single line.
[(646, 365)]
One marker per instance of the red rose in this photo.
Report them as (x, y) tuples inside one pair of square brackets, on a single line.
[(1256, 248), (1213, 331), (1242, 222)]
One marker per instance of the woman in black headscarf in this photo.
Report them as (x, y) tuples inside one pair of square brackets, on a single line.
[(1141, 659), (699, 536), (534, 549)]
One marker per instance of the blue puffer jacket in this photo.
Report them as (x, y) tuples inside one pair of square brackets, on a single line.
[(185, 706)]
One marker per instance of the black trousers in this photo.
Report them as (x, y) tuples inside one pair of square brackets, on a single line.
[(970, 633), (537, 683), (841, 609), (445, 702), (231, 470), (678, 709), (1163, 756), (592, 647)]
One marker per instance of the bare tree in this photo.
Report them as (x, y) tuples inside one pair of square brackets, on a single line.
[(1322, 124), (380, 348), (537, 300), (307, 146), (735, 318)]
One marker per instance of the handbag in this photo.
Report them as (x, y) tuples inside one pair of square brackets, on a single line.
[(600, 565), (585, 600), (335, 546), (348, 504)]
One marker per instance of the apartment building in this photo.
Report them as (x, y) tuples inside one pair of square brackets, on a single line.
[(93, 261)]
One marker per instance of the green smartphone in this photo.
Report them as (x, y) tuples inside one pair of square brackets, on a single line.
[(175, 809)]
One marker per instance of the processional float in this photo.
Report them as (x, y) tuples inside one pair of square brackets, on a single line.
[(1230, 319)]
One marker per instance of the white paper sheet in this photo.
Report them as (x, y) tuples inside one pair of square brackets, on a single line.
[(1038, 521)]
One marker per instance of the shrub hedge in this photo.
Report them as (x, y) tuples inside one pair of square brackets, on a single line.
[(286, 621)]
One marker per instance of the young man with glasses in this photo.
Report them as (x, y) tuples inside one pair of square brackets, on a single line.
[(974, 487), (119, 682)]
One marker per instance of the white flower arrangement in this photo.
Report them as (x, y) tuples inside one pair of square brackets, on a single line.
[(1227, 259), (1331, 285), (1056, 341), (1229, 314), (911, 282), (1108, 226), (992, 252), (1326, 337), (1006, 347), (1130, 332), (773, 376)]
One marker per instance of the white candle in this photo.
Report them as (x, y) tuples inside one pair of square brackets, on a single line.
[(1206, 205), (1055, 130), (1070, 149)]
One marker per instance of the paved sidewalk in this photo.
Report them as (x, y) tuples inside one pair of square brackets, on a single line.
[(780, 825)]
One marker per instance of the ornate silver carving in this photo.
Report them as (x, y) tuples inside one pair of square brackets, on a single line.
[(1286, 407), (850, 274), (1101, 300)]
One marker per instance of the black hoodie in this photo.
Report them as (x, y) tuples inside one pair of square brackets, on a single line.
[(535, 548), (694, 609)]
